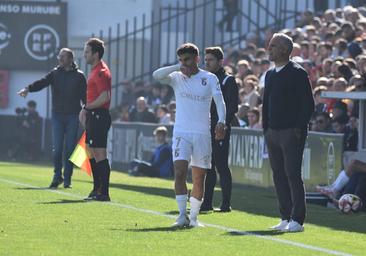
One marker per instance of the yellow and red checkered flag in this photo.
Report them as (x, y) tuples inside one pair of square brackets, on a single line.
[(80, 156)]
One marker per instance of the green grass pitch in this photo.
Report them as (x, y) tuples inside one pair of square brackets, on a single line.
[(38, 221)]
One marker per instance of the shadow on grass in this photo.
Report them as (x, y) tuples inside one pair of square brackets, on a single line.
[(263, 201), (157, 229), (256, 232), (26, 188), (172, 212), (64, 201)]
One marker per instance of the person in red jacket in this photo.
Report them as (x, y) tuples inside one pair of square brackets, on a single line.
[(96, 118)]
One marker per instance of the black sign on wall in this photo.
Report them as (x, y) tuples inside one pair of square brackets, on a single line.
[(31, 34)]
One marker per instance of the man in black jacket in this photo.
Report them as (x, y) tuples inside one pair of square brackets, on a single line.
[(287, 108), (220, 148), (68, 87)]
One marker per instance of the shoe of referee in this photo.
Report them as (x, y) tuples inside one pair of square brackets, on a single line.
[(55, 183), (102, 198)]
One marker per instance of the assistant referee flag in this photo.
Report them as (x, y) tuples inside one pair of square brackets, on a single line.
[(80, 156)]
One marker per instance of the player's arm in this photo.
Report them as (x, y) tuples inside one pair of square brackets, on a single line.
[(220, 128), (37, 85), (163, 74), (104, 97), (82, 91)]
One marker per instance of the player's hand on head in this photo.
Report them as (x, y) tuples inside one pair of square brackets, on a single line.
[(185, 70)]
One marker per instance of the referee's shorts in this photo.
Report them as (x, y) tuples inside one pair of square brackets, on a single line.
[(98, 122)]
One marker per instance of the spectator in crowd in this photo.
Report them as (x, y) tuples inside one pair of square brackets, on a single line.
[(340, 111), (154, 99), (231, 7), (323, 123), (123, 113), (341, 48), (339, 85), (339, 124), (28, 134), (163, 115), (139, 90), (325, 51), (166, 94), (265, 64), (243, 68), (172, 109), (253, 119), (320, 103), (326, 70), (141, 113), (352, 180), (128, 97), (32, 126), (242, 114), (161, 162), (251, 94)]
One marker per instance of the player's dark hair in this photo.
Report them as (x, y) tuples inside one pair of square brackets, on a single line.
[(96, 45), (188, 48), (215, 51)]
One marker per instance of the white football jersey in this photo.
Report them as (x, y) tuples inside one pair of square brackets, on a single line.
[(193, 97)]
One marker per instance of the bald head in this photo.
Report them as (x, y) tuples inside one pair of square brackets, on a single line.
[(285, 41), (141, 104)]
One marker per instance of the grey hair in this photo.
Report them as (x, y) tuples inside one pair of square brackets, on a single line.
[(285, 40)]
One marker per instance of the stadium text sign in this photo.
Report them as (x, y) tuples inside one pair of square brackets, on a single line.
[(31, 33)]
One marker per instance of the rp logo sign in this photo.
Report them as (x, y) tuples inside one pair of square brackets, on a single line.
[(41, 42)]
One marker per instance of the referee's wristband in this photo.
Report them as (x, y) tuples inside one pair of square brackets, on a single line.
[(84, 107)]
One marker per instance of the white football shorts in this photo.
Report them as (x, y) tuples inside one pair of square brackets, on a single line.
[(193, 147)]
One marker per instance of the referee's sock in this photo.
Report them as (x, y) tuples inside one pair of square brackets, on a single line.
[(96, 176), (105, 171)]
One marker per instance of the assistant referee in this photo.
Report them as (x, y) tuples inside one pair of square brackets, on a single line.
[(96, 118)]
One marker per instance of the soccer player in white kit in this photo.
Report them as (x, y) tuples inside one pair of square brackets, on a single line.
[(194, 90)]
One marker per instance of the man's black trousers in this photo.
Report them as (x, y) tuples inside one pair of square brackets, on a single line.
[(285, 150), (220, 154)]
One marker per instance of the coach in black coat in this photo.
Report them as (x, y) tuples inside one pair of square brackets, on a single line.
[(287, 108), (220, 149)]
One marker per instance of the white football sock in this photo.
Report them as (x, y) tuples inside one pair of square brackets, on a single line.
[(340, 182), (182, 204), (195, 208)]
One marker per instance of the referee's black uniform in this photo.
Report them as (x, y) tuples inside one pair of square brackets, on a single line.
[(220, 149)]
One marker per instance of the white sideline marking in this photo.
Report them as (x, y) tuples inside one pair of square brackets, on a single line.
[(274, 239)]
